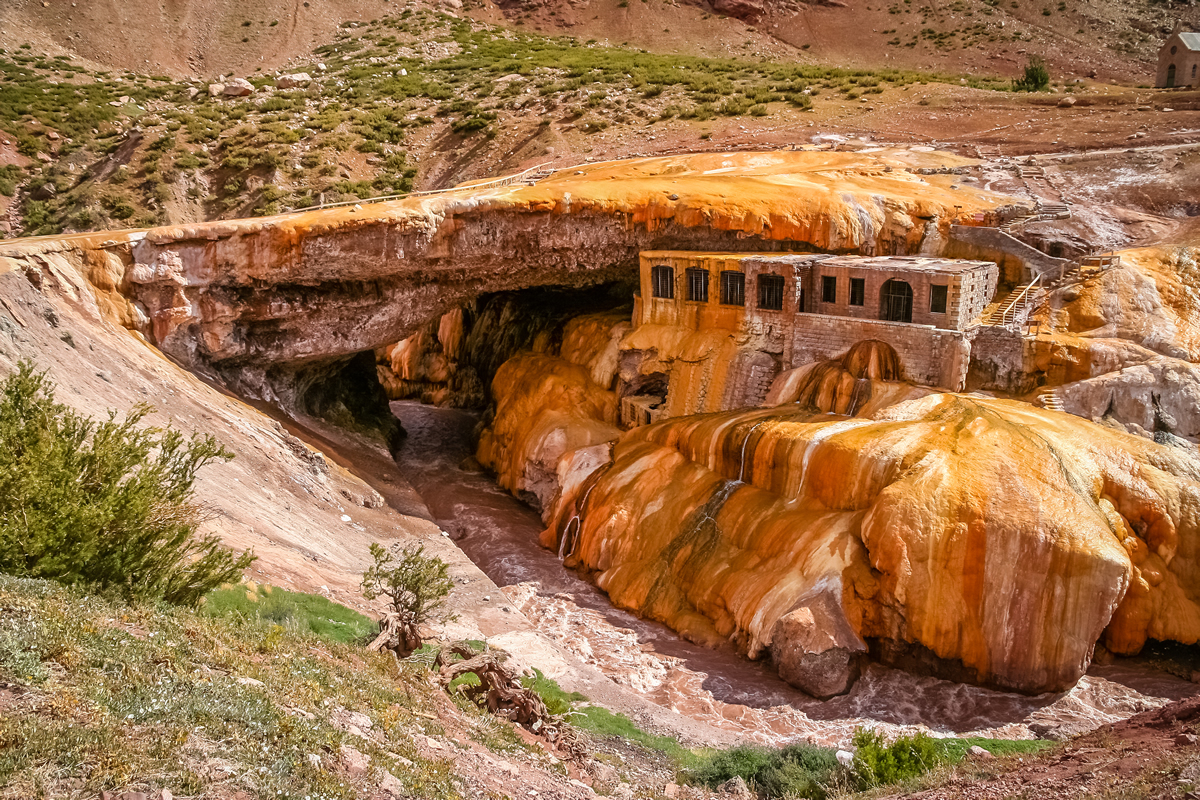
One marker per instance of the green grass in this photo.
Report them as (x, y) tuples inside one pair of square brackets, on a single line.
[(294, 611), (955, 750), (602, 722), (116, 697)]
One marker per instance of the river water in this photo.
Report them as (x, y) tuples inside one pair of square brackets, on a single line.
[(717, 687)]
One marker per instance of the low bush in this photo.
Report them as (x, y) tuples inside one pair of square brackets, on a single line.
[(877, 763), (106, 504), (1036, 77), (796, 771)]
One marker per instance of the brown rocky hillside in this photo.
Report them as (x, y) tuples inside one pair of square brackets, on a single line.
[(1110, 39)]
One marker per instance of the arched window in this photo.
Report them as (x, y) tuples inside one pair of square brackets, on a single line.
[(1194, 71), (1171, 77), (896, 301), (662, 282)]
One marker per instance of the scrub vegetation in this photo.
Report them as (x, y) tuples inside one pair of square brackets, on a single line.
[(112, 150)]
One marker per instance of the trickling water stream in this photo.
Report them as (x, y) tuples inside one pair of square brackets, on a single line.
[(718, 687)]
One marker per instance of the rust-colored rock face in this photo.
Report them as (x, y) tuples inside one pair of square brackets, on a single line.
[(331, 282), (844, 386), (982, 534), (274, 305)]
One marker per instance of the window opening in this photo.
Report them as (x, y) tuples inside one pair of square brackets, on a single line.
[(770, 292), (828, 289), (697, 280), (662, 282)]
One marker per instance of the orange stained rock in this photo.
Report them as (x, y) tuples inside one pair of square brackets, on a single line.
[(836, 201), (869, 371), (831, 200), (988, 532), (1147, 305), (546, 406)]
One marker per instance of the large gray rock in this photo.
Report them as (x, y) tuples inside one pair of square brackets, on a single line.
[(1160, 395), (238, 87), (815, 648), (293, 81)]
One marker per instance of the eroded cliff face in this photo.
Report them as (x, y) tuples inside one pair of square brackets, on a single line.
[(335, 282), (986, 539), (551, 404), (453, 359)]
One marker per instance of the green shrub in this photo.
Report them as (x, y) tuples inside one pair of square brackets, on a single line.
[(416, 585), (107, 504), (1036, 78), (746, 761), (796, 771), (877, 763)]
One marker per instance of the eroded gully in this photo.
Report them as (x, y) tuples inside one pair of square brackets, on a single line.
[(717, 687)]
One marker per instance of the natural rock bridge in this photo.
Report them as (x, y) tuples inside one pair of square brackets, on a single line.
[(270, 306)]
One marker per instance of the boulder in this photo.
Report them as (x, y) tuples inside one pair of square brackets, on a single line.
[(293, 81), (948, 525), (216, 89), (815, 648), (735, 787), (739, 8), (238, 87)]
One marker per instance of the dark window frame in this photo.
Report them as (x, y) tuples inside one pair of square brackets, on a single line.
[(660, 286), (939, 295), (733, 287), (858, 291), (771, 289), (697, 284), (829, 288), (896, 300)]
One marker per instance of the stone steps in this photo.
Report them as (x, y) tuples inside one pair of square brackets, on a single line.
[(1048, 398)]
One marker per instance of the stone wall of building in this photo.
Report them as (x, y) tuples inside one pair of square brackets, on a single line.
[(1000, 361), (931, 356), (1018, 261)]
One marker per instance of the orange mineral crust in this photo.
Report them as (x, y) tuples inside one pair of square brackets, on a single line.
[(984, 536)]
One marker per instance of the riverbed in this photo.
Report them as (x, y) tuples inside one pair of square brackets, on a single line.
[(717, 687)]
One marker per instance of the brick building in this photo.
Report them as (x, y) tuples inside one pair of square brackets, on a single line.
[(763, 313)]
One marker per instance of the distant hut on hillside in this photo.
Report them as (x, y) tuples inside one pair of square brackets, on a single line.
[(1179, 60)]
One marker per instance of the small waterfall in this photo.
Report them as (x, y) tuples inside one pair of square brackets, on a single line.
[(742, 468), (570, 537), (567, 536)]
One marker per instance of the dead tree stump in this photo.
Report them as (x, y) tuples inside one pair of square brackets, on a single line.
[(396, 636), (499, 689)]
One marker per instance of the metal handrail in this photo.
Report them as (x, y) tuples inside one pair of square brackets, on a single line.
[(1008, 315)]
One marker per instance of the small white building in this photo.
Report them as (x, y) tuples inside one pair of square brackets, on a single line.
[(1179, 60)]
